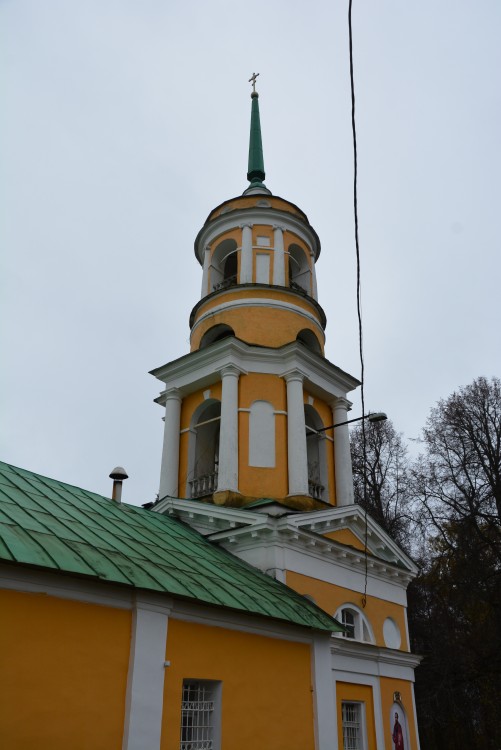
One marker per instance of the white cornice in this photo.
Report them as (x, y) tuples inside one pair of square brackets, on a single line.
[(352, 517), (241, 531), (366, 651), (202, 368)]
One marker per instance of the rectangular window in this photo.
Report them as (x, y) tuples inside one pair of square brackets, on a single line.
[(352, 726), (200, 715)]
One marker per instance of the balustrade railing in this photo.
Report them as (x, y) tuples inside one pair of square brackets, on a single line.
[(203, 485), (225, 283), (315, 489)]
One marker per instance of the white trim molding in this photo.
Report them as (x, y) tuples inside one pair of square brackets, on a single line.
[(145, 681)]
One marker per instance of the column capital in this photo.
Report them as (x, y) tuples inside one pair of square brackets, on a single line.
[(246, 224), (341, 403), (293, 375), (173, 394), (278, 226), (230, 371)]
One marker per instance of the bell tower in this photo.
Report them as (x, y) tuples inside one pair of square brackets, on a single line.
[(246, 409)]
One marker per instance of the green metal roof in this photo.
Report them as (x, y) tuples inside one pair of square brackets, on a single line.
[(55, 526)]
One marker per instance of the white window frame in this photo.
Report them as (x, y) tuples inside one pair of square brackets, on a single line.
[(360, 705), (209, 705), (361, 623)]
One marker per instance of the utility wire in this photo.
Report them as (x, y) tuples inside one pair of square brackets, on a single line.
[(359, 290)]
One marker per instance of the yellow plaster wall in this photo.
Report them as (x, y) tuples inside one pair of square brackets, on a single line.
[(346, 691), (257, 481), (63, 667), (188, 406), (329, 597), (345, 536), (265, 326), (388, 687), (258, 675)]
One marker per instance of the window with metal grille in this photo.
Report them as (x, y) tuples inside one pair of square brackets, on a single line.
[(200, 715), (352, 726)]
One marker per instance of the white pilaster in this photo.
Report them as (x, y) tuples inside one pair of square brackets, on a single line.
[(342, 453), (228, 439), (278, 257), (205, 273), (246, 255), (324, 695), (296, 435), (170, 454), (145, 681)]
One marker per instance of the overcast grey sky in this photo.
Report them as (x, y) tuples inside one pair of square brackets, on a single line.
[(126, 122)]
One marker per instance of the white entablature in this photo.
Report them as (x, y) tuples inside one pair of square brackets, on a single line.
[(261, 537), (203, 367)]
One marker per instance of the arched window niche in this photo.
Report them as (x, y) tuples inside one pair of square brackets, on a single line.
[(358, 627), (398, 725), (299, 270), (262, 435), (309, 340), (216, 333), (224, 265), (316, 453), (203, 449)]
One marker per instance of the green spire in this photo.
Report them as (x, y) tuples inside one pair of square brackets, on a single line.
[(255, 173)]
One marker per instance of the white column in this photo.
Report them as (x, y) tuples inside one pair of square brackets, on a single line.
[(228, 438), (169, 475), (296, 435), (145, 680), (205, 274), (324, 694), (342, 454), (278, 257), (246, 255), (314, 291)]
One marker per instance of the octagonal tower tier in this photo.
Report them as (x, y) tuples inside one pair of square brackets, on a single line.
[(249, 411)]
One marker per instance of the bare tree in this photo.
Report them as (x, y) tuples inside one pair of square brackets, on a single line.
[(455, 603), (459, 477), (381, 477)]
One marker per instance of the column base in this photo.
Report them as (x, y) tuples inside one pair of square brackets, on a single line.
[(233, 499)]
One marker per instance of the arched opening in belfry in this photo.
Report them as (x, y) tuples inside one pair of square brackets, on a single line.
[(224, 265), (309, 339), (203, 452), (216, 333), (299, 270), (316, 454)]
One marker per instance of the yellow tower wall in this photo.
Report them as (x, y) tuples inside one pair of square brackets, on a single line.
[(261, 324), (67, 690), (256, 672), (253, 479)]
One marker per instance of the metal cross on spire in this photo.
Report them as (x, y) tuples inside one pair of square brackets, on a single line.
[(253, 81)]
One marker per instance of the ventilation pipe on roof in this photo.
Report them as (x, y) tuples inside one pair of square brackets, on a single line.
[(118, 475)]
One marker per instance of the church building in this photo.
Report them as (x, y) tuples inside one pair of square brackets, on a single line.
[(254, 604)]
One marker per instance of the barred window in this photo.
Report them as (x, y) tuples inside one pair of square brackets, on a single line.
[(352, 726), (200, 715)]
